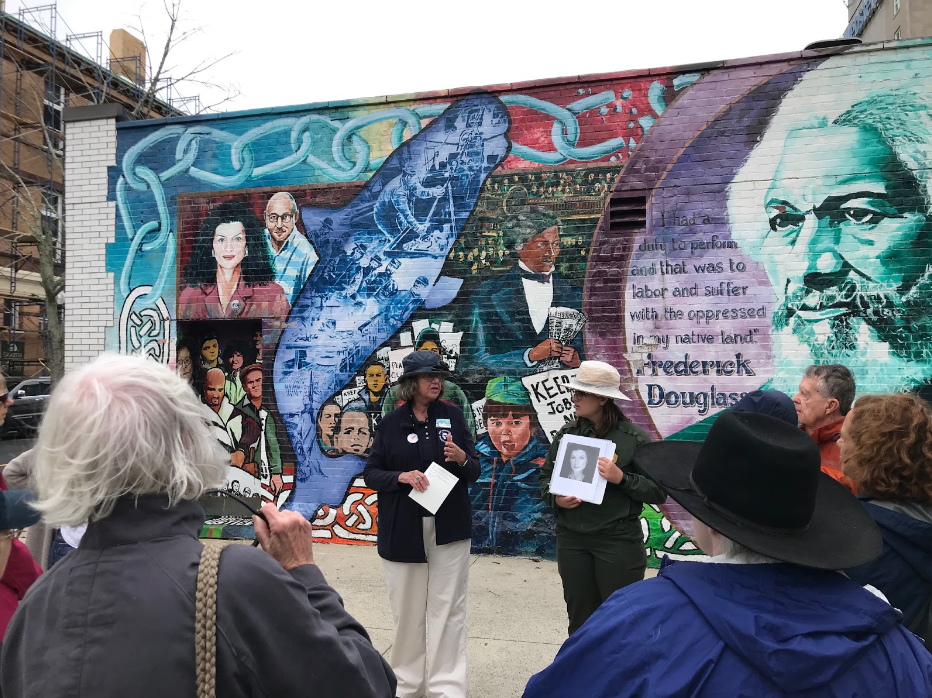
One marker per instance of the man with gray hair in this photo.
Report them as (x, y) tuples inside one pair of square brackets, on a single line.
[(509, 330), (825, 396), (124, 446), (293, 257)]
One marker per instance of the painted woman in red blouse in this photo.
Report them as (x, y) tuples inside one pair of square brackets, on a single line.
[(229, 274)]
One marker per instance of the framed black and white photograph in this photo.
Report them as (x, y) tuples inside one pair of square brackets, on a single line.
[(576, 472)]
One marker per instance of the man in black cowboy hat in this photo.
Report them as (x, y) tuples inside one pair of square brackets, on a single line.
[(766, 615)]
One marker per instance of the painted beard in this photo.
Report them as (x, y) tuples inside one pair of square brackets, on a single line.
[(873, 315)]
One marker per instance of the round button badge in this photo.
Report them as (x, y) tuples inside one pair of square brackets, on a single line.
[(412, 438)]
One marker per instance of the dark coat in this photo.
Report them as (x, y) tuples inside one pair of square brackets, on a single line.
[(400, 536), (116, 618), (500, 327), (903, 572), (708, 630)]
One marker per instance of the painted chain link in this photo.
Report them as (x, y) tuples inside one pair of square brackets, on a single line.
[(346, 137)]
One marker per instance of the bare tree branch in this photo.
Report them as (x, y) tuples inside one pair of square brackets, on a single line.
[(173, 13), (161, 81), (28, 196)]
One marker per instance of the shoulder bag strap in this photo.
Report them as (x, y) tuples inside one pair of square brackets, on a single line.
[(205, 620)]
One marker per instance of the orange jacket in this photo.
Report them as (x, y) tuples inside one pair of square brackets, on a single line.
[(827, 439)]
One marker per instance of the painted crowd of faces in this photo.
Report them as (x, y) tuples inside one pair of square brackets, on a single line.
[(491, 257), (481, 251), (210, 357)]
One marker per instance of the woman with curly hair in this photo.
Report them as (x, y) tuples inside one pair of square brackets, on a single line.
[(886, 450), (229, 273)]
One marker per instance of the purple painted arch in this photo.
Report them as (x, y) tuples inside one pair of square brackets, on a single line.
[(683, 166)]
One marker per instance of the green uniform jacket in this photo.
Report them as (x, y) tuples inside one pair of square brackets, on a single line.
[(623, 502)]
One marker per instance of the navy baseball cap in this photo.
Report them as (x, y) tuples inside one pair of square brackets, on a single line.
[(773, 403), (16, 510)]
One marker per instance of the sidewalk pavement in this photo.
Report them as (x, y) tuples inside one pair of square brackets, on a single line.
[(516, 618)]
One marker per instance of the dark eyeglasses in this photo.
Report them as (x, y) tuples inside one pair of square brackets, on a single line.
[(580, 393), (274, 218), (5, 396)]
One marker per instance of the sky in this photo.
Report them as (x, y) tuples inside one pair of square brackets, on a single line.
[(299, 51)]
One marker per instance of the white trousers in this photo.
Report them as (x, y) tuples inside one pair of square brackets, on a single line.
[(428, 603)]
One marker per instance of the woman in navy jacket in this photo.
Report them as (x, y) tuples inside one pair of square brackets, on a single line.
[(425, 557), (886, 450)]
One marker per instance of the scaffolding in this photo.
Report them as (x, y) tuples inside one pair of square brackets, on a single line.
[(39, 76)]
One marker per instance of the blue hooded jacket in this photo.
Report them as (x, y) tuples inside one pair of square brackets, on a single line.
[(708, 630), (509, 517), (903, 572)]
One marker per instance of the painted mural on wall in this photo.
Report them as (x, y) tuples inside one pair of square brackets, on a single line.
[(808, 242), (222, 362), (785, 210), (382, 230)]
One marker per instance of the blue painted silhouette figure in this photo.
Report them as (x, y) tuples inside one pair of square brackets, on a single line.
[(340, 318)]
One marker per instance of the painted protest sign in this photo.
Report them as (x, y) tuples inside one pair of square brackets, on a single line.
[(550, 397)]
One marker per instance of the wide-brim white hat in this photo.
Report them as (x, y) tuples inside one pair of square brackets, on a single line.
[(598, 378)]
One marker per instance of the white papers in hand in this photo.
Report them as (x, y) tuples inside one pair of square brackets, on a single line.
[(441, 482)]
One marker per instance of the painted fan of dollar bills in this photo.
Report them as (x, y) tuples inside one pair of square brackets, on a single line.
[(565, 324)]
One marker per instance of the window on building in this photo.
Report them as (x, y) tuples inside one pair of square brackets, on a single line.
[(10, 314), (53, 105), (897, 35), (896, 8), (52, 219)]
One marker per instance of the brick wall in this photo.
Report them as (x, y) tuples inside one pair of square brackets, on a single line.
[(708, 230), (91, 227)]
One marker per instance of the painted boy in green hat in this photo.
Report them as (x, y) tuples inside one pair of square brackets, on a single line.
[(508, 514)]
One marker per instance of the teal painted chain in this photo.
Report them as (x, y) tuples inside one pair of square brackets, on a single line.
[(154, 235)]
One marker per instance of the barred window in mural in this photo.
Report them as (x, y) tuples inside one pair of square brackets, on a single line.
[(707, 234)]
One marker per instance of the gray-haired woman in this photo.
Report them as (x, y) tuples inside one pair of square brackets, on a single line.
[(124, 446), (425, 555)]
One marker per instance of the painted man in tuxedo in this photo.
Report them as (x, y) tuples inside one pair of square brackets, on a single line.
[(508, 326)]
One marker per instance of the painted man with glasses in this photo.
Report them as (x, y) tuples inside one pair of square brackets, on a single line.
[(293, 257)]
